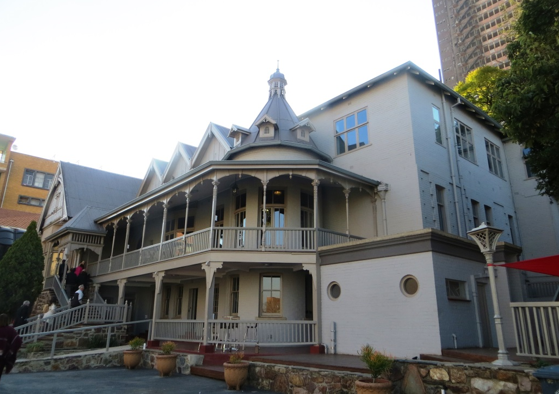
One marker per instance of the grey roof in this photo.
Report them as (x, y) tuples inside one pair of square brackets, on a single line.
[(160, 166), (83, 221), (225, 132), (188, 149), (84, 186), (278, 109)]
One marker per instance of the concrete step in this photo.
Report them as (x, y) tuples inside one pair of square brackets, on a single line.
[(208, 371)]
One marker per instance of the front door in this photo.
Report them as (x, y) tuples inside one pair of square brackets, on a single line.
[(484, 315), (192, 302)]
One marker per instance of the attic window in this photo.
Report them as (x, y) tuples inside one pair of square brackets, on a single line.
[(267, 130)]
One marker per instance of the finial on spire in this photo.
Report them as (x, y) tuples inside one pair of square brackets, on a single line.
[(278, 66)]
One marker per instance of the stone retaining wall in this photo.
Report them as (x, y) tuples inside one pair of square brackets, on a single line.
[(408, 378), (92, 360)]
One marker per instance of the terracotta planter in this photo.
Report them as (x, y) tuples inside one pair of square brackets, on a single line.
[(166, 364), (366, 386), (235, 374), (132, 358)]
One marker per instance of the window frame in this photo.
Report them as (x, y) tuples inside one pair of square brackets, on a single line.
[(467, 139), (494, 161), (29, 179), (342, 135), (272, 290), (235, 295), (41, 201), (462, 287), (441, 207), (437, 122)]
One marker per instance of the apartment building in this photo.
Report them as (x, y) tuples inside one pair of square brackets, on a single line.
[(472, 34)]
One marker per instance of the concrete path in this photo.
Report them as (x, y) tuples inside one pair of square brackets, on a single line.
[(112, 380)]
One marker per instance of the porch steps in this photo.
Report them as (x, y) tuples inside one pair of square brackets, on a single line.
[(208, 371)]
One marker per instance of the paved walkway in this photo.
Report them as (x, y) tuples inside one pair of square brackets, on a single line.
[(112, 380)]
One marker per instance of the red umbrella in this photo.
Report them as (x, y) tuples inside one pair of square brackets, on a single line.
[(544, 265)]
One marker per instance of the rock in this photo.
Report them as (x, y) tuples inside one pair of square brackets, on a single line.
[(439, 374), (412, 383), (457, 375)]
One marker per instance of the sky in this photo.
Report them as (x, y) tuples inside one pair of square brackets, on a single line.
[(112, 84)]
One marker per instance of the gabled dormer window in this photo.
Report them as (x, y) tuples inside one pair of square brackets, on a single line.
[(267, 130), (238, 139)]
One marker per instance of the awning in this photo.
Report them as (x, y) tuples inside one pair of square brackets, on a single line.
[(544, 265)]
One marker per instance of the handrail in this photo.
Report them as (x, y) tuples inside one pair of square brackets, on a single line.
[(56, 332), (83, 314)]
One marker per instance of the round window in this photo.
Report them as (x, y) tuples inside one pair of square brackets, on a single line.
[(409, 285), (334, 290)]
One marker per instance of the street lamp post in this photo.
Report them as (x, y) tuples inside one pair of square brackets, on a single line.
[(486, 238)]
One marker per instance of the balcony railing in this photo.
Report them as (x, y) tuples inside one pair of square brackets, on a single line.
[(238, 333), (223, 238), (536, 327)]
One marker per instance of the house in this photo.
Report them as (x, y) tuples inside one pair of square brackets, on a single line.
[(341, 226)]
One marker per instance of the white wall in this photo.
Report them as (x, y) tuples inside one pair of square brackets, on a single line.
[(372, 309)]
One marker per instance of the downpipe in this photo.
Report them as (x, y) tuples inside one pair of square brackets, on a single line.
[(333, 338), (455, 340)]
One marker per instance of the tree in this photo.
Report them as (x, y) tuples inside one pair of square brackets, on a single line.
[(21, 271), (527, 99), (479, 87)]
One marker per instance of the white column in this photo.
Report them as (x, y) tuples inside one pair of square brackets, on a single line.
[(121, 289), (382, 189), (214, 206), (115, 225), (264, 216), (210, 267), (143, 234), (187, 195), (346, 192), (165, 206), (375, 215), (315, 184), (128, 221), (158, 276)]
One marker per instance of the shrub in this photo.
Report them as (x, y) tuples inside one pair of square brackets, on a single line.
[(35, 347), (168, 347), (136, 343), (99, 341), (379, 364), (236, 358)]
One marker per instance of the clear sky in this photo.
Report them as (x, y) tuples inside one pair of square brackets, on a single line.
[(111, 84)]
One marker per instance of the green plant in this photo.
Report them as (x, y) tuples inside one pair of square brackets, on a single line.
[(136, 343), (35, 347), (378, 363), (236, 358), (168, 347), (98, 341), (539, 363)]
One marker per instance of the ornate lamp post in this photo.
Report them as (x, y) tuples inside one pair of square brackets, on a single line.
[(486, 238)]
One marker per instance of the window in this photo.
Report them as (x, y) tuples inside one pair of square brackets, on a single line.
[(475, 213), (271, 295), (409, 285), (352, 132), (170, 229), (37, 179), (456, 289), (235, 295), (525, 154), (464, 141), (218, 233), (26, 200), (216, 299), (494, 159), (167, 301), (179, 301), (440, 207), (488, 215), (437, 125), (334, 291), (241, 218)]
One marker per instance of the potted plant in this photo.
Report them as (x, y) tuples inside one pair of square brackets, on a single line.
[(379, 365), (236, 371), (166, 363), (133, 357)]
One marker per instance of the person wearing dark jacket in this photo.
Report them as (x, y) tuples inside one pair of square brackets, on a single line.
[(71, 282), (22, 314), (10, 342)]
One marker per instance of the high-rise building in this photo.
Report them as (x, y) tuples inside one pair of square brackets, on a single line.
[(472, 34)]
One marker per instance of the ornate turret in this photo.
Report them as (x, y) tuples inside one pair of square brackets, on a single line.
[(277, 84)]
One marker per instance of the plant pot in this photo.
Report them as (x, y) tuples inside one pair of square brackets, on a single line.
[(166, 364), (132, 358), (367, 386), (235, 374)]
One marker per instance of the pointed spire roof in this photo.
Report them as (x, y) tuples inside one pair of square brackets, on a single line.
[(276, 124)]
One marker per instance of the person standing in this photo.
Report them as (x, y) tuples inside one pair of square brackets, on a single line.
[(22, 314), (71, 282), (77, 297), (10, 342), (79, 268)]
